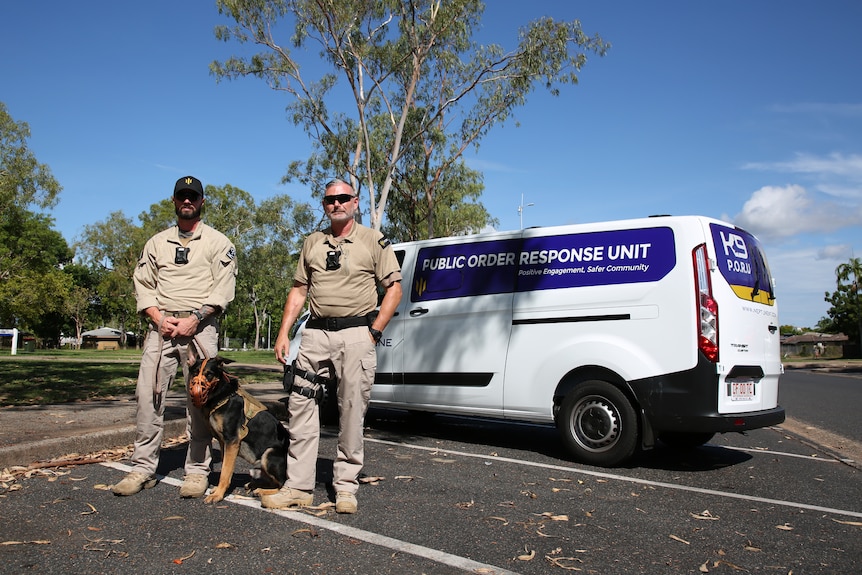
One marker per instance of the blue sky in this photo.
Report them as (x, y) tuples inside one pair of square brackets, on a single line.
[(746, 111)]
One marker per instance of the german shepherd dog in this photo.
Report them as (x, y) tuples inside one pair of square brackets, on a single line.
[(241, 423)]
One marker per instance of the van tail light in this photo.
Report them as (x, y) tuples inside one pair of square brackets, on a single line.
[(707, 328)]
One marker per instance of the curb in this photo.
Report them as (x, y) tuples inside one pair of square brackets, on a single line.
[(25, 454)]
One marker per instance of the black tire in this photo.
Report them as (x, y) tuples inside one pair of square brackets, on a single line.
[(598, 424), (679, 440)]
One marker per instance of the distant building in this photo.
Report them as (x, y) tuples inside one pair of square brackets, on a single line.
[(102, 338), (814, 344)]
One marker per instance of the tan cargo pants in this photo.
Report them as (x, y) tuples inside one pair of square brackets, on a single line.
[(159, 363), (349, 354)]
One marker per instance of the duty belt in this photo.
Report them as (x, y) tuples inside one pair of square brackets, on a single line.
[(337, 323), (178, 314)]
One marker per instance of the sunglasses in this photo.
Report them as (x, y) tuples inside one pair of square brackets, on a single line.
[(340, 198), (189, 195)]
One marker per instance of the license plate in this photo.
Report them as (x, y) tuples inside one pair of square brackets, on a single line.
[(741, 390)]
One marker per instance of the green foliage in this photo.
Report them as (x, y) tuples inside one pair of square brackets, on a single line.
[(788, 330), (845, 311), (423, 92), (31, 252), (24, 182)]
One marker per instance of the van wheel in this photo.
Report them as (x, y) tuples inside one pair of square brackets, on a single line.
[(678, 440), (598, 424)]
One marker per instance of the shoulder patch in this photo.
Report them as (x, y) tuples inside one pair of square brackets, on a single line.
[(231, 253), (384, 242)]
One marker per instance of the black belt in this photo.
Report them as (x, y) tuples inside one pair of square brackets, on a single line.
[(337, 323)]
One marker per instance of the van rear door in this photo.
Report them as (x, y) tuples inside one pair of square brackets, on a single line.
[(749, 360)]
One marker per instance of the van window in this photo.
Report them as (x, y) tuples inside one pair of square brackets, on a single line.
[(742, 263)]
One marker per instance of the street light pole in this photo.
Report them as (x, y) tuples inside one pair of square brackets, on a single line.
[(521, 207)]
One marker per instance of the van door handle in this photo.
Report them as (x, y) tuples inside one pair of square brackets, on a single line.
[(773, 328), (418, 311)]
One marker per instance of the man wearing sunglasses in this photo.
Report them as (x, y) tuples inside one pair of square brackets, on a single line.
[(184, 279), (338, 272)]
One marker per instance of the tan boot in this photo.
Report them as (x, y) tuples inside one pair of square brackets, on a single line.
[(286, 498), (133, 482), (345, 502), (194, 485)]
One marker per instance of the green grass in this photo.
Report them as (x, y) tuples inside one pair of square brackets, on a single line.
[(62, 376)]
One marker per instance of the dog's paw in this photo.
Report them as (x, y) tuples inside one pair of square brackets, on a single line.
[(214, 497)]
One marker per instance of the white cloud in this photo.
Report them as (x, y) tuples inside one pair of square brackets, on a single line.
[(802, 278), (835, 164), (783, 211), (840, 253)]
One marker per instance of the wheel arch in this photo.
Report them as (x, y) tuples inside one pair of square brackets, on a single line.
[(586, 373)]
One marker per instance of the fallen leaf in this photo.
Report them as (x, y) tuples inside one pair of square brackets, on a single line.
[(181, 559), (173, 518), (732, 566), (503, 519), (675, 538), (561, 562), (703, 568), (92, 510), (751, 548), (371, 480), (441, 460), (527, 556), (223, 546), (784, 527), (705, 514), (553, 517), (853, 523)]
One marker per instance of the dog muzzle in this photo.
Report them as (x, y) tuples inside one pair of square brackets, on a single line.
[(199, 387)]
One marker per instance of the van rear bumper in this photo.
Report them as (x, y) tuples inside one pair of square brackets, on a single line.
[(687, 401), (719, 422)]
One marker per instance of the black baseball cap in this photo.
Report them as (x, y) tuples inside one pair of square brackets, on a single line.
[(189, 183)]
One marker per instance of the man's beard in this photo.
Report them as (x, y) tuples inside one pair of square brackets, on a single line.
[(193, 215)]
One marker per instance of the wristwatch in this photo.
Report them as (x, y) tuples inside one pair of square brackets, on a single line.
[(375, 333), (198, 315)]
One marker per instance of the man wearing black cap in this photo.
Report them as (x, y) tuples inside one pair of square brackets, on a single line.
[(185, 278)]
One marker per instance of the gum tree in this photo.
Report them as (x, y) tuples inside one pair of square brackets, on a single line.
[(422, 90)]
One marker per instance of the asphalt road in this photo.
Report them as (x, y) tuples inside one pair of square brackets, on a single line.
[(452, 495), (829, 401)]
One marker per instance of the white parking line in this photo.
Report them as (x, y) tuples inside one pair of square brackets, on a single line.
[(784, 454), (606, 475), (374, 538)]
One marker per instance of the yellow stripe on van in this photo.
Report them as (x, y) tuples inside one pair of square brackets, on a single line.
[(744, 292)]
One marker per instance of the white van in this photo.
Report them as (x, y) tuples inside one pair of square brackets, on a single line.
[(620, 332)]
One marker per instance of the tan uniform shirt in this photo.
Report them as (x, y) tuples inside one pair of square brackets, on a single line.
[(365, 259), (209, 277)]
